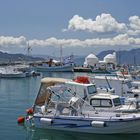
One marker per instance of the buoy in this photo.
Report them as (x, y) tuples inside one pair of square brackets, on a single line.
[(29, 111), (20, 120)]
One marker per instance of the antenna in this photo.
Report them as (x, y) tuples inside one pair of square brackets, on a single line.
[(135, 61), (108, 82)]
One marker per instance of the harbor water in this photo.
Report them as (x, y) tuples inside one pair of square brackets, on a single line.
[(16, 95)]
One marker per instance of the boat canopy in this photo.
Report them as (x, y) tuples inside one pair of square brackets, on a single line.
[(44, 94), (57, 86), (50, 81)]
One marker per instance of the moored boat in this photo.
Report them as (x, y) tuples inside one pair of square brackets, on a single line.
[(61, 68), (61, 106), (52, 65), (10, 72)]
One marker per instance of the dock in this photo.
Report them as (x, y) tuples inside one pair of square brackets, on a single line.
[(82, 69)]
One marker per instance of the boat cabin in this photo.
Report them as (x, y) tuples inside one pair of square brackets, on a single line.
[(104, 100), (109, 102), (85, 91)]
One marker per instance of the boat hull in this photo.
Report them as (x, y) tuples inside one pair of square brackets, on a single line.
[(12, 75), (84, 125), (66, 68)]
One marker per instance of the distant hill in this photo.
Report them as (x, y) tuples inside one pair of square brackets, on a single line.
[(123, 57), (6, 57)]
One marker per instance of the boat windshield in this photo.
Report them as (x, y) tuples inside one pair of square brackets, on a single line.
[(92, 89), (117, 102)]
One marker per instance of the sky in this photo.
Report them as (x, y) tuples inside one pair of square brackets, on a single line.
[(80, 27)]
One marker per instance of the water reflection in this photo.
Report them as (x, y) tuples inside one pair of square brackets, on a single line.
[(16, 95), (40, 134), (59, 74)]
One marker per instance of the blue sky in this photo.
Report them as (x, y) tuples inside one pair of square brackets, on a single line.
[(79, 26)]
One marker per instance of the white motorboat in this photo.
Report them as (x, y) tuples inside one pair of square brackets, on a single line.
[(67, 105), (123, 86), (11, 72)]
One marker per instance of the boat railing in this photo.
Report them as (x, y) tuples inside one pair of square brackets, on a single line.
[(74, 104)]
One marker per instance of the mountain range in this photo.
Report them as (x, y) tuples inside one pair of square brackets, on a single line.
[(7, 57), (123, 57)]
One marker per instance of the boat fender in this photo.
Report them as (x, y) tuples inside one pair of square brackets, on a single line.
[(20, 120), (98, 124), (46, 121), (29, 111)]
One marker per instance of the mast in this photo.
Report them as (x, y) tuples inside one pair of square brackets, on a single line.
[(28, 49), (134, 60), (61, 53), (119, 57)]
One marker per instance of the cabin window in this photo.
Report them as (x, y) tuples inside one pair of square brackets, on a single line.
[(91, 89), (101, 102), (95, 103), (117, 102), (106, 103)]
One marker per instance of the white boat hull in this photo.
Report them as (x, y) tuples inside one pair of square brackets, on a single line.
[(11, 72), (84, 125), (66, 68), (12, 75)]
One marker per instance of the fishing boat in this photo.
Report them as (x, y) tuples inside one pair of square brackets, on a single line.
[(52, 65), (70, 105), (54, 68)]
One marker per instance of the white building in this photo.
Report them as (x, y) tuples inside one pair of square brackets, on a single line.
[(110, 58), (91, 60), (109, 62)]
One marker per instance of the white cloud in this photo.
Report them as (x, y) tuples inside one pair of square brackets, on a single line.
[(55, 42), (134, 25), (103, 23), (119, 40), (6, 41), (134, 22)]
